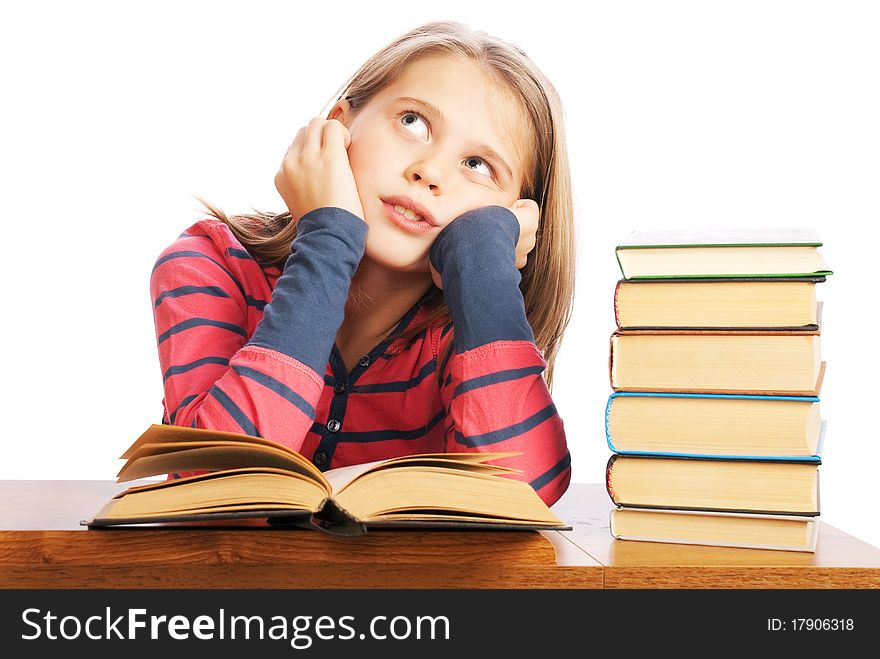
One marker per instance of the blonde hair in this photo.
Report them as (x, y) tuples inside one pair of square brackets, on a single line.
[(548, 279)]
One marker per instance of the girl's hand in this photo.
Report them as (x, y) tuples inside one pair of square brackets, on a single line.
[(527, 213), (316, 172)]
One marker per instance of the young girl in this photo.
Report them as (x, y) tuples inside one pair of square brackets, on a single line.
[(412, 296)]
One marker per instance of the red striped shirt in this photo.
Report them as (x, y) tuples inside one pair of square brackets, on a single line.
[(209, 297)]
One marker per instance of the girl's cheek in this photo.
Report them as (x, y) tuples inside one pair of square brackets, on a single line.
[(358, 170)]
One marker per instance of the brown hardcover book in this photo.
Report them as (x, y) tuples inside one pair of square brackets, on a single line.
[(779, 532), (781, 304), (760, 362), (252, 478), (783, 487)]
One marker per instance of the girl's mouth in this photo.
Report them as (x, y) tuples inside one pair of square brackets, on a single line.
[(406, 219)]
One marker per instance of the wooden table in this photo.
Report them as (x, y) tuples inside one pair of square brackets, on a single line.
[(42, 545)]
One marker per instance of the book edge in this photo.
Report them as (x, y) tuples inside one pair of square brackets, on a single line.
[(812, 522), (812, 400)]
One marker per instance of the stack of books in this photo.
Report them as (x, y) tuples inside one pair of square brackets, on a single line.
[(716, 369)]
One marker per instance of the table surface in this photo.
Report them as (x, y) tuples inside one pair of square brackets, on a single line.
[(42, 545)]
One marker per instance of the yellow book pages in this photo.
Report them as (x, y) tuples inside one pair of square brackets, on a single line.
[(716, 363), (162, 458), (779, 532), (237, 489), (340, 477), (164, 433), (716, 304), (721, 261), (779, 487), (714, 426), (423, 488)]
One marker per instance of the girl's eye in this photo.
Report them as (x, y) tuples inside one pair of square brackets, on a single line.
[(411, 118), (479, 161)]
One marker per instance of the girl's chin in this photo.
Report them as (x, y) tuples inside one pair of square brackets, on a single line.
[(394, 251), (396, 264)]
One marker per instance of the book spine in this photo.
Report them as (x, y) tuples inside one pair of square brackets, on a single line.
[(607, 422), (336, 520), (609, 487), (611, 347), (616, 305)]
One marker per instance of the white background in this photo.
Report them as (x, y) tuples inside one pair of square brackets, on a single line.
[(679, 114)]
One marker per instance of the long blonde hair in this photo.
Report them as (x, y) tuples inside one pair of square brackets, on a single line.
[(548, 279)]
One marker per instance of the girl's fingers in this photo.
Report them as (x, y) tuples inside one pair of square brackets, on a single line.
[(312, 144), (528, 214), (529, 208), (318, 134), (336, 135), (297, 146)]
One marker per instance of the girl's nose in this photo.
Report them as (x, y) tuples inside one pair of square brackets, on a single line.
[(429, 171)]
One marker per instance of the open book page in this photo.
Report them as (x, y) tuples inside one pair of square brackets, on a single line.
[(163, 433), (262, 488), (444, 493), (152, 459), (340, 477)]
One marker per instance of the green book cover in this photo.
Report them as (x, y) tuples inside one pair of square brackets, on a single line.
[(721, 253)]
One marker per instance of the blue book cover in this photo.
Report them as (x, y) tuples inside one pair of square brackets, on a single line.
[(731, 397)]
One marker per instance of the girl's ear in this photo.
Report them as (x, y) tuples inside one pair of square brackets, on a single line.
[(341, 112)]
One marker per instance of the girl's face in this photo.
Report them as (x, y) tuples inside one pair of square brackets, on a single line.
[(442, 136)]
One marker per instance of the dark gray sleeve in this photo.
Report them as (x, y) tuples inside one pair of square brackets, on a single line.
[(308, 303), (476, 256)]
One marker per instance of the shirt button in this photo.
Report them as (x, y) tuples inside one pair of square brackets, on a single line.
[(320, 458), (333, 425), (364, 361), (340, 387)]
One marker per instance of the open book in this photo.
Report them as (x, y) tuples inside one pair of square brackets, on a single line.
[(250, 477)]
